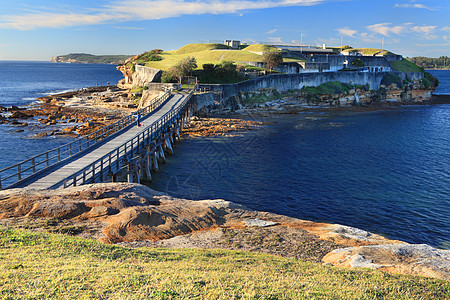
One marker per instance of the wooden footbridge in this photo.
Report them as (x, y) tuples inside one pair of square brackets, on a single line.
[(120, 150)]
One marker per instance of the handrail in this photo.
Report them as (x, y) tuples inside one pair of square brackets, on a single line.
[(20, 171), (112, 160)]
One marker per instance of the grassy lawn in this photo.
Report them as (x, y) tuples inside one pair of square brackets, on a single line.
[(211, 53), (40, 266), (370, 51)]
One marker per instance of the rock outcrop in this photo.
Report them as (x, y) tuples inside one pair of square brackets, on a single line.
[(134, 215)]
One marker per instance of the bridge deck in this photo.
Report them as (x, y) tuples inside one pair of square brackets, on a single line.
[(54, 175)]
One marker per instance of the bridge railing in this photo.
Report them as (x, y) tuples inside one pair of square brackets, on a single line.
[(112, 162), (20, 171)]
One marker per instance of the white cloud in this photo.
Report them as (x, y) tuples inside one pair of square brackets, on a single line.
[(271, 31), (277, 40), (386, 29), (414, 5), (347, 31), (126, 10), (424, 29), (445, 28)]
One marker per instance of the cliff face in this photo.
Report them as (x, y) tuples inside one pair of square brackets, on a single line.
[(62, 59), (127, 72), (137, 75)]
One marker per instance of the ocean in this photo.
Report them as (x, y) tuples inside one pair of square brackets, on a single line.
[(386, 172), (21, 82)]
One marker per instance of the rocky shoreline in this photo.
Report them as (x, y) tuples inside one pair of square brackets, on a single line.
[(73, 113), (133, 215), (82, 112)]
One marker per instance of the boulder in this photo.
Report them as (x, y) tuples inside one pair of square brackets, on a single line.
[(20, 115), (398, 258)]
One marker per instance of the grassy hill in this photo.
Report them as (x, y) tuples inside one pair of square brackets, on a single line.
[(370, 51), (49, 266), (211, 53), (405, 65)]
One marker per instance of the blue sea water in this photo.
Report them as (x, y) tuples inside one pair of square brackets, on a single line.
[(21, 82), (386, 172), (444, 81)]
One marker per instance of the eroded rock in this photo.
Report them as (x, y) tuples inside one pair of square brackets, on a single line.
[(135, 215)]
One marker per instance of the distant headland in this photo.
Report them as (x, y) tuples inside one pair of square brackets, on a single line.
[(83, 58)]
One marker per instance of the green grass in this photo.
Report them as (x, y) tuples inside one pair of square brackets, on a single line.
[(48, 266), (333, 87), (405, 65), (192, 48), (98, 59), (212, 53), (204, 57), (139, 89), (370, 51), (261, 48)]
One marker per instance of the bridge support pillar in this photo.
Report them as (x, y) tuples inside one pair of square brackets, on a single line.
[(168, 145), (177, 133), (129, 173), (138, 172), (148, 166), (161, 153), (155, 161)]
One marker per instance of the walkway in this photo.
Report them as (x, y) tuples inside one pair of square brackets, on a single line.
[(52, 177)]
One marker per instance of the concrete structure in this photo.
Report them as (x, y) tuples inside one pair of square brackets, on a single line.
[(233, 44), (147, 74), (285, 82), (339, 62), (305, 50)]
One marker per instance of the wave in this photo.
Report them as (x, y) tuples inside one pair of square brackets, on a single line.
[(59, 91)]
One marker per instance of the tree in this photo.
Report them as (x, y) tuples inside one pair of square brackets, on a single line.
[(183, 68), (272, 59), (208, 68), (358, 63)]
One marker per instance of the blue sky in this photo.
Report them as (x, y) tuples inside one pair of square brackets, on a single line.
[(38, 29)]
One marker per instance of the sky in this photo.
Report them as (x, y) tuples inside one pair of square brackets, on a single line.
[(39, 30)]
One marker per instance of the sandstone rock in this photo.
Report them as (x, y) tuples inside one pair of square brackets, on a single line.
[(399, 258), (259, 223), (127, 212), (19, 115), (13, 108), (69, 129)]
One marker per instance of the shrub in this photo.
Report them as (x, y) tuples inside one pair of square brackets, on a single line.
[(208, 68), (433, 81), (183, 68), (358, 63), (152, 55), (391, 78), (167, 77), (272, 59), (425, 83), (225, 72), (333, 87)]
